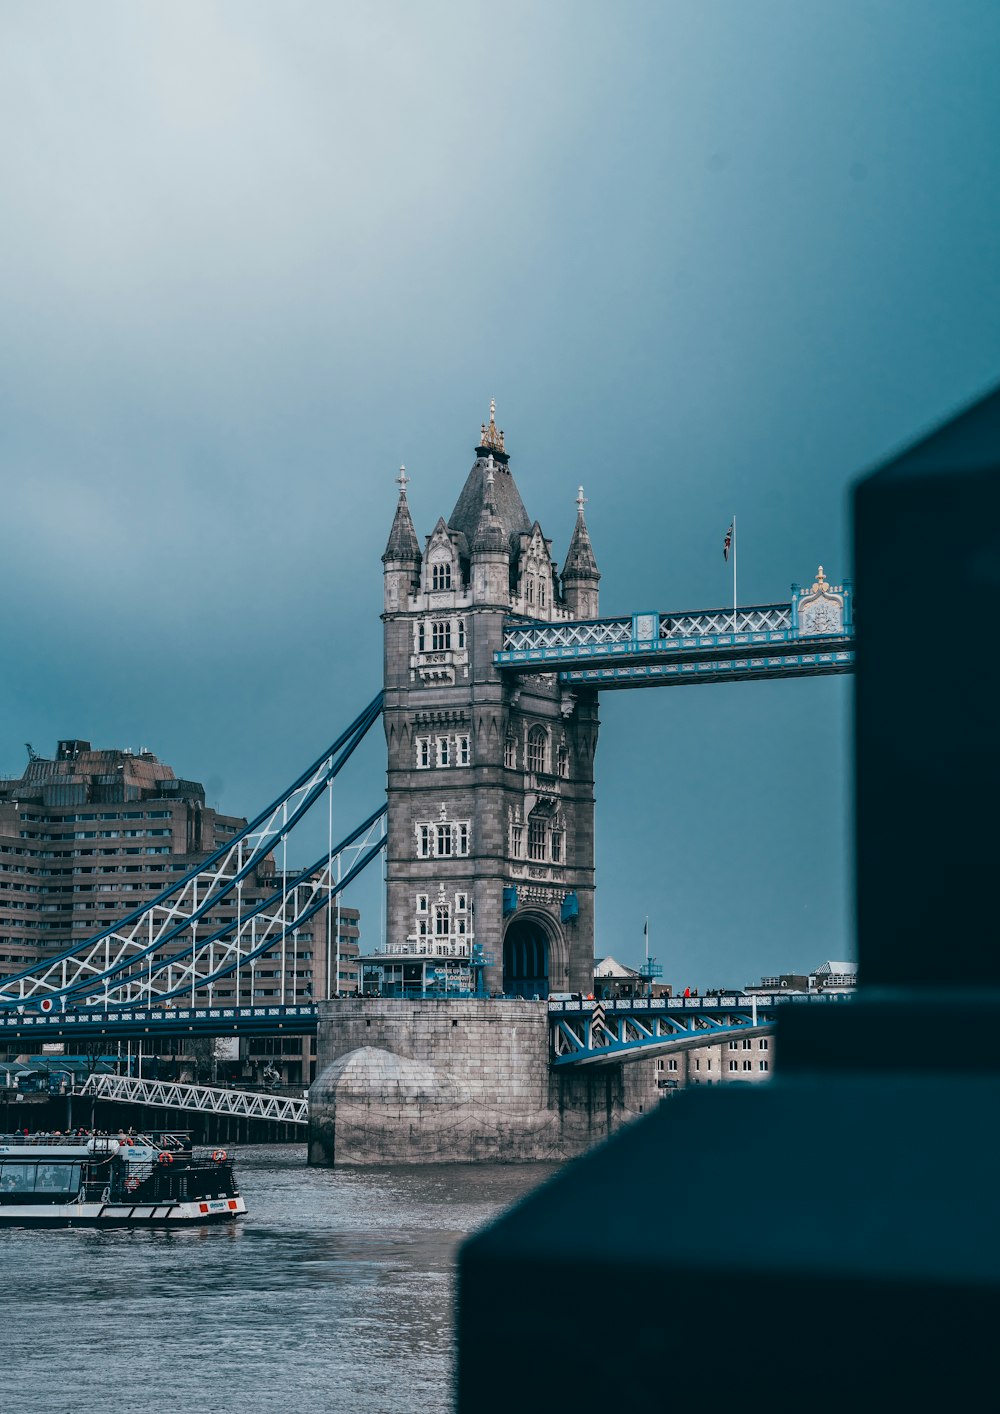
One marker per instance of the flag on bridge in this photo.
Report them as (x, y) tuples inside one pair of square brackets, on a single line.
[(728, 541)]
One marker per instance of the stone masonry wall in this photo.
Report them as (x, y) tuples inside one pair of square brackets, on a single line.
[(464, 1081)]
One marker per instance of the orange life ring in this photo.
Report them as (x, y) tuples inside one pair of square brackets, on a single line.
[(219, 1155), (166, 1158)]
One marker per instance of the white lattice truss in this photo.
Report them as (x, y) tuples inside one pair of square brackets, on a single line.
[(202, 1099), (125, 964), (766, 618)]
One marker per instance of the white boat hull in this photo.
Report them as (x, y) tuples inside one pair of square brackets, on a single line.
[(197, 1211)]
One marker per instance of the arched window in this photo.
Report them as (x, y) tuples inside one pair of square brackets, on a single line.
[(541, 593), (510, 750), (537, 742), (442, 920), (441, 576), (562, 759)]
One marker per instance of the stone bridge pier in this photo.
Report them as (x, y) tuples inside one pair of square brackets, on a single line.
[(460, 1081)]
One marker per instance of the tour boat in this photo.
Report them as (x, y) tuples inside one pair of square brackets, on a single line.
[(67, 1180)]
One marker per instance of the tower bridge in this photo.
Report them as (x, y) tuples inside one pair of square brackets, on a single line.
[(494, 661)]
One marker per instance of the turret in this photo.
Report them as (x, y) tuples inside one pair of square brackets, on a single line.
[(402, 560), (580, 574), (490, 552)]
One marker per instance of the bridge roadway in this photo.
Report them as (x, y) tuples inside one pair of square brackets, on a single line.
[(582, 1033), (137, 1023), (606, 1033)]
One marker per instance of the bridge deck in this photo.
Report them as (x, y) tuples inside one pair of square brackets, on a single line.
[(658, 649)]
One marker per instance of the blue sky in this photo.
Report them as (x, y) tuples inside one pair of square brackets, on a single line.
[(708, 257)]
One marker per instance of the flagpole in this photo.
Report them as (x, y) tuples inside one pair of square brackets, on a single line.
[(734, 574)]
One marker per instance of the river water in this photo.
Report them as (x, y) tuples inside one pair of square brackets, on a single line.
[(334, 1293)]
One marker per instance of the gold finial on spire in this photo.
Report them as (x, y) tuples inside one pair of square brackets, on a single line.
[(490, 436)]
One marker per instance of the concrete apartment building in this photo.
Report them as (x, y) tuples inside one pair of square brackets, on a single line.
[(750, 1060), (89, 836)]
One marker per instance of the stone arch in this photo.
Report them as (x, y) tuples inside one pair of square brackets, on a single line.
[(534, 954)]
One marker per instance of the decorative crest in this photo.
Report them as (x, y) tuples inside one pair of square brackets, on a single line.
[(490, 437)]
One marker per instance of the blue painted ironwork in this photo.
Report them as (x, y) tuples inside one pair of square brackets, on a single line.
[(137, 1022), (812, 635), (609, 1032)]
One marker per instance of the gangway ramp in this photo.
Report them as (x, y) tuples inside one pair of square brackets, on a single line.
[(200, 1099)]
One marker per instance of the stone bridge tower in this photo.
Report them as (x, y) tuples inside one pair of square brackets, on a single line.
[(490, 777)]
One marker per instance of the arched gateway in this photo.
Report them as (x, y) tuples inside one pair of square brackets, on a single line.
[(526, 959)]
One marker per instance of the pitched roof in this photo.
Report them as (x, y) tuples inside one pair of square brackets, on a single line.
[(513, 518), (403, 543), (836, 969), (611, 967), (580, 561)]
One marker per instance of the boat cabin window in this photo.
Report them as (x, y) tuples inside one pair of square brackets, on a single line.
[(41, 1178)]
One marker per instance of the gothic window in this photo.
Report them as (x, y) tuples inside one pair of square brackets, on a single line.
[(463, 751), (440, 635), (529, 591), (510, 751), (461, 902), (442, 920), (444, 751), (460, 628), (536, 838), (422, 927), (562, 759), (537, 741), (541, 593), (460, 930), (557, 846), (421, 903), (441, 576), (516, 840), (421, 636), (423, 752), (441, 840)]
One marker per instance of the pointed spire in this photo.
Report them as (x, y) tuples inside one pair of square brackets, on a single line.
[(580, 561), (489, 537), (403, 544), (491, 438)]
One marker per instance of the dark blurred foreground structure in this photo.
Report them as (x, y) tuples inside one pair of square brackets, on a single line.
[(845, 1218)]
